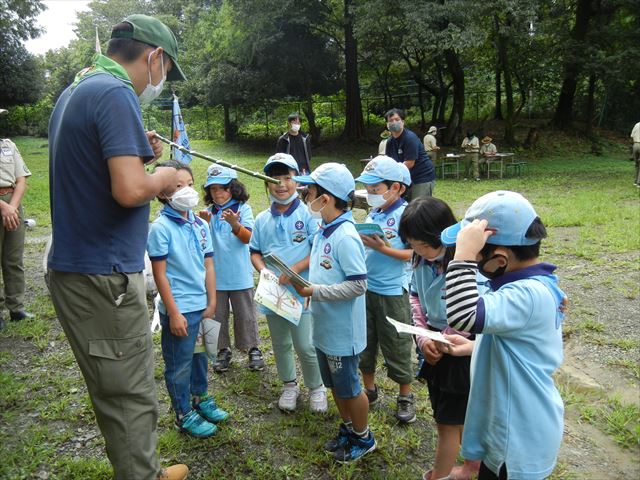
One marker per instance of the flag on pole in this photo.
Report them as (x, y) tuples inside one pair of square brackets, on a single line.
[(98, 49), (179, 133)]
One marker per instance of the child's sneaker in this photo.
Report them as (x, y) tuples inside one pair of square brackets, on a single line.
[(339, 442), (289, 398), (356, 448), (207, 409), (196, 426), (318, 400), (256, 361), (372, 395), (223, 359), (406, 408)]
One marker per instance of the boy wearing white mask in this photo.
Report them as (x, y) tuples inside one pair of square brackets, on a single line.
[(296, 143), (181, 255), (387, 290)]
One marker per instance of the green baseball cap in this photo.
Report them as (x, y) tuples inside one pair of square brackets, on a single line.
[(152, 31)]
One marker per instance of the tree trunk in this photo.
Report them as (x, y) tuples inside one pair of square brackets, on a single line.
[(354, 123), (502, 42), (311, 119), (454, 126), (498, 114), (229, 128), (573, 65), (590, 102)]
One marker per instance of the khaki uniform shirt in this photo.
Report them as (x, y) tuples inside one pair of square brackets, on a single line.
[(429, 142), (488, 149), (471, 146), (12, 166), (635, 133)]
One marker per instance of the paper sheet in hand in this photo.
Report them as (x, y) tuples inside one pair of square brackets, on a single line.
[(372, 229), (276, 263), (421, 332), (276, 298)]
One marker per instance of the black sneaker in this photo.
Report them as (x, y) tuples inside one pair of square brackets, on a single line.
[(222, 361), (256, 361), (406, 409), (338, 442), (372, 395)]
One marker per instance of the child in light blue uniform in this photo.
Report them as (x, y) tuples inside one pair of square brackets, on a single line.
[(338, 273), (286, 229), (387, 285), (514, 418), (180, 250), (231, 222)]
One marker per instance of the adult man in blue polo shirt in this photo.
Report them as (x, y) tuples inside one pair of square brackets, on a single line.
[(404, 146), (100, 197)]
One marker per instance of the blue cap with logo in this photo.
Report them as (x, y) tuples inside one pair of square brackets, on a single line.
[(219, 175), (333, 177), (406, 174), (283, 159), (379, 169), (508, 214)]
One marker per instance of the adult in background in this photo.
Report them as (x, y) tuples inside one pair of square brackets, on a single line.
[(13, 183), (430, 144), (100, 196), (296, 143), (404, 146), (471, 146), (635, 136), (488, 149)]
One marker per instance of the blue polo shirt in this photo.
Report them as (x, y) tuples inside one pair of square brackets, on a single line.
[(288, 234), (337, 255), (409, 147), (184, 244), (231, 261), (97, 119), (515, 413), (387, 275)]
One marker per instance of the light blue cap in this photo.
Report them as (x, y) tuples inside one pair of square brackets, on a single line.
[(282, 158), (333, 177), (509, 215), (380, 169), (406, 174), (219, 175)]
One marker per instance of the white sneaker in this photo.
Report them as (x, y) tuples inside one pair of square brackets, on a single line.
[(289, 398), (318, 399)]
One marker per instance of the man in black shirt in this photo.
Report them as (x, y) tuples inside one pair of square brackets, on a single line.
[(296, 143)]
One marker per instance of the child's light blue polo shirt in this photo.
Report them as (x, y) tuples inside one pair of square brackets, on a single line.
[(231, 261), (515, 413), (184, 244), (288, 234), (387, 275), (337, 255)]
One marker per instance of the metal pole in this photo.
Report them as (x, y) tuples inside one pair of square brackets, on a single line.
[(217, 161)]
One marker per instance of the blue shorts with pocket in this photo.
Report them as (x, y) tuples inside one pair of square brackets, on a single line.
[(340, 374)]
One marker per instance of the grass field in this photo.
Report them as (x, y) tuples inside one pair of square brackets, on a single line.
[(47, 430)]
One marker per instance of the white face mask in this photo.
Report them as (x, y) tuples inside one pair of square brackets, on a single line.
[(151, 92), (184, 199), (286, 201), (295, 127), (315, 213), (376, 201)]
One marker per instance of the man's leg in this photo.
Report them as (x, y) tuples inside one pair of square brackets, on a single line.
[(12, 252), (106, 321)]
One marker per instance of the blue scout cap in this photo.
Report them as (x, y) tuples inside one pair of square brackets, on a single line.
[(508, 213), (283, 159), (333, 177), (406, 174), (380, 169), (219, 175)]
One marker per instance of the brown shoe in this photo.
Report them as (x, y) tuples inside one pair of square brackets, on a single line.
[(174, 472)]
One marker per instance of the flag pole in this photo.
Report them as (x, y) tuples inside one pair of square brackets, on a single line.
[(217, 161)]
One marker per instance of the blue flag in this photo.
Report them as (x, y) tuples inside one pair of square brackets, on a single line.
[(179, 133)]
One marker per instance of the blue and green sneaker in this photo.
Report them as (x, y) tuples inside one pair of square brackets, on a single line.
[(194, 425), (207, 408), (338, 442), (356, 448)]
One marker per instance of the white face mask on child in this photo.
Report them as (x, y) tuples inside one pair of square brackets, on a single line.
[(315, 213), (376, 201), (184, 199)]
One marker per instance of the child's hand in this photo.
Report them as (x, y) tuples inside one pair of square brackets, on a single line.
[(471, 239), (283, 280), (431, 353), (462, 347), (231, 218), (303, 291), (372, 241), (564, 306), (205, 215), (210, 311), (178, 325)]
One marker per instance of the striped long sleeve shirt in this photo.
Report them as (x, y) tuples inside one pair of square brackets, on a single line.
[(463, 300)]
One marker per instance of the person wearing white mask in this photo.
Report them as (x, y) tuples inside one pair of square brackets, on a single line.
[(296, 143), (100, 194), (387, 285)]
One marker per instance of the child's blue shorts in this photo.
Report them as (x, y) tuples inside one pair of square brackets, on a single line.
[(340, 374)]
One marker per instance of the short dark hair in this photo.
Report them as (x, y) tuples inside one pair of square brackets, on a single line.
[(237, 189), (394, 111), (424, 219), (276, 170), (293, 116), (178, 166), (340, 203), (536, 230), (404, 194), (129, 49)]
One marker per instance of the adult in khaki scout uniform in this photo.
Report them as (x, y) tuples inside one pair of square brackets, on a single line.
[(13, 183), (635, 136), (100, 196), (471, 146), (430, 144)]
